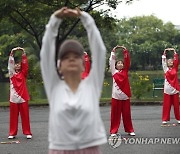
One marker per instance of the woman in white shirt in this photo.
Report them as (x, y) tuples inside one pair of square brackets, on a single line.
[(75, 125)]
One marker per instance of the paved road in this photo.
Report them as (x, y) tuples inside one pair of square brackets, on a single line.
[(150, 138)]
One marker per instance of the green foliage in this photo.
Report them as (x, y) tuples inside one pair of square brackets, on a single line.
[(146, 37), (33, 15), (140, 84), (34, 76), (23, 24)]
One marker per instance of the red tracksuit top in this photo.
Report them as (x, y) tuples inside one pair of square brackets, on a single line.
[(172, 74), (121, 77), (18, 86), (87, 66)]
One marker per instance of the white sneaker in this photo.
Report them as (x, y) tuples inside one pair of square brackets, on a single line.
[(11, 137), (132, 134), (164, 122), (29, 136), (113, 135), (178, 121)]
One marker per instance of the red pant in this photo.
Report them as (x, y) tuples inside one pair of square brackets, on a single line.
[(168, 101), (119, 107), (23, 108)]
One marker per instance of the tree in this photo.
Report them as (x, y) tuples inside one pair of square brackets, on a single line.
[(32, 15), (147, 37), (22, 23)]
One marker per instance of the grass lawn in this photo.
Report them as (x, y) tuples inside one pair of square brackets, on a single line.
[(107, 89)]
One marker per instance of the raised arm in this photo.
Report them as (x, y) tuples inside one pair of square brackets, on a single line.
[(126, 56), (176, 60), (164, 63), (47, 54), (126, 59), (112, 60), (24, 61), (11, 64), (97, 49)]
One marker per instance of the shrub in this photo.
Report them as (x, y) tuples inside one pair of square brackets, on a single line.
[(140, 85)]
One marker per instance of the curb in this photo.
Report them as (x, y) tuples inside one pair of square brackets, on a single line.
[(133, 103)]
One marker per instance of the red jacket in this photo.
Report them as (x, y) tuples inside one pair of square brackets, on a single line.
[(121, 77), (87, 66), (18, 80), (172, 74)]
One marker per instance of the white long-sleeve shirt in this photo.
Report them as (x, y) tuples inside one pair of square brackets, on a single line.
[(74, 118)]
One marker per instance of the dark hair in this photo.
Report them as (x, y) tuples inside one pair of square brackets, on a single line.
[(17, 60), (117, 62)]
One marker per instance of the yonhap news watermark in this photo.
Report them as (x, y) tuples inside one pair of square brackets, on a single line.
[(155, 140), (115, 141)]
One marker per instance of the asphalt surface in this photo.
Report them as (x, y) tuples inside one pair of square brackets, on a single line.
[(150, 137)]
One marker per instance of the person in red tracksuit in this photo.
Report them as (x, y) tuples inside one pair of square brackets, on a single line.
[(121, 93), (171, 86), (87, 66), (19, 96)]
